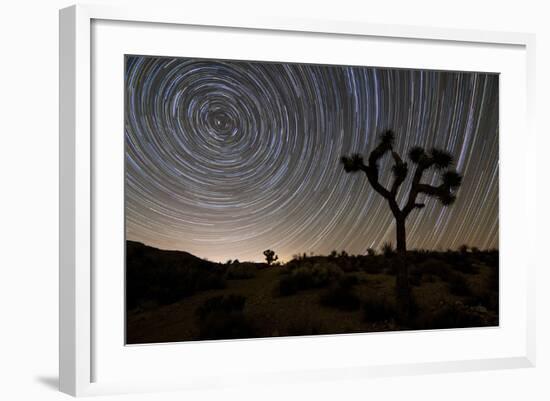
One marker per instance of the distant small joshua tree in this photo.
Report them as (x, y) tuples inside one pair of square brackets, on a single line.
[(270, 256), (445, 192)]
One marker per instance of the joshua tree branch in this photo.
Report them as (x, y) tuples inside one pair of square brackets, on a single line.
[(431, 190), (355, 163), (372, 175), (400, 171), (411, 202)]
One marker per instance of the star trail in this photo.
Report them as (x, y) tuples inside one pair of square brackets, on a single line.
[(225, 159)]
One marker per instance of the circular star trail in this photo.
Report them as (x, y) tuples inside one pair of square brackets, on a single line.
[(225, 159)]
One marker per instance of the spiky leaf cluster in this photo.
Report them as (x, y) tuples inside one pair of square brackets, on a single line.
[(416, 154), (451, 179), (400, 170), (353, 163), (446, 198), (441, 159), (387, 139)]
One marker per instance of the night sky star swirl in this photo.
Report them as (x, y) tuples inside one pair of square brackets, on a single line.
[(225, 159)]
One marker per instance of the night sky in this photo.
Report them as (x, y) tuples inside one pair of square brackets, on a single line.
[(225, 159)]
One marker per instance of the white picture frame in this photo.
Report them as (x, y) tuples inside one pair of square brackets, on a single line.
[(78, 160)]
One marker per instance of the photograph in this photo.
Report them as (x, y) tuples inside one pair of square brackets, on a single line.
[(275, 199)]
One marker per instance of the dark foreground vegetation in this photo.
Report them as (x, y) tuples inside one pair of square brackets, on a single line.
[(175, 296)]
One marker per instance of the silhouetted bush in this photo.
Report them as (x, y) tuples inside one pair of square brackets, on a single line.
[(222, 317), (387, 249), (287, 286), (486, 298), (308, 276), (436, 267), (378, 309), (348, 280), (220, 326), (452, 316), (241, 271), (458, 285), (490, 257), (493, 279), (466, 267), (428, 278), (373, 264), (341, 295), (415, 276), (305, 327)]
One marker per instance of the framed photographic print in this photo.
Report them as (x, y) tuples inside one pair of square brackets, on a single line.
[(229, 212)]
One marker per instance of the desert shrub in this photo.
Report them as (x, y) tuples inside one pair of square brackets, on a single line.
[(466, 267), (453, 316), (287, 286), (308, 276), (493, 279), (490, 257), (487, 299), (349, 280), (209, 281), (371, 252), (373, 265), (222, 317), (377, 309), (241, 271), (341, 296), (437, 268), (220, 326), (415, 276), (349, 264), (221, 303), (458, 285), (428, 278), (387, 249), (304, 327)]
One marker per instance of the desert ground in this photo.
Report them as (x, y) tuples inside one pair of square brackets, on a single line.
[(174, 296)]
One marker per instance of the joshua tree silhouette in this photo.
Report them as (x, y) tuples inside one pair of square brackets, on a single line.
[(439, 160), (270, 256)]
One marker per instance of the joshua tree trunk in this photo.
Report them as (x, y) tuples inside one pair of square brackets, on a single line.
[(402, 284)]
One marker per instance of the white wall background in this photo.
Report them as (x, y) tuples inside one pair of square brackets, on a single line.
[(29, 197)]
